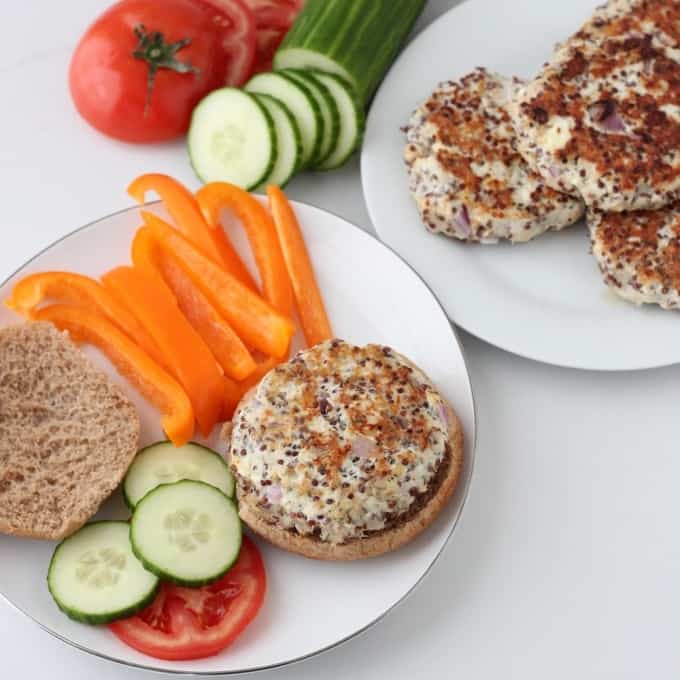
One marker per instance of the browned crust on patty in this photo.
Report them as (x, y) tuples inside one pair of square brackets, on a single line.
[(638, 253), (402, 532), (620, 128)]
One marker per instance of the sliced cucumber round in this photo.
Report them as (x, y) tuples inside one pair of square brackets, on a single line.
[(328, 108), (187, 532), (300, 58), (232, 139), (94, 577), (352, 119), (299, 99), (288, 139), (165, 463)]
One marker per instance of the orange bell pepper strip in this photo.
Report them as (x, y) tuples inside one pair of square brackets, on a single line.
[(229, 351), (309, 303), (145, 255), (155, 384), (259, 228), (254, 320), (231, 354), (234, 391), (183, 350), (82, 291), (185, 212)]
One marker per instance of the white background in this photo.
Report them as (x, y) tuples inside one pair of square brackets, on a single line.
[(566, 562)]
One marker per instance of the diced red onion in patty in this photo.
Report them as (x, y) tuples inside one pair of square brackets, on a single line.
[(462, 221), (274, 494), (363, 447)]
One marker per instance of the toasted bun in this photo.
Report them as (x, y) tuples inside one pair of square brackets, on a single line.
[(67, 433)]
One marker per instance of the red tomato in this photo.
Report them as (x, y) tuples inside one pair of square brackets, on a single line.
[(275, 13), (268, 41), (192, 623), (273, 19), (140, 69)]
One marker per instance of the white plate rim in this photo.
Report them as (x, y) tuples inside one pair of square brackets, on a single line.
[(381, 616)]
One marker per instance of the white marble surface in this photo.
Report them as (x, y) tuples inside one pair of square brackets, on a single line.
[(566, 561)]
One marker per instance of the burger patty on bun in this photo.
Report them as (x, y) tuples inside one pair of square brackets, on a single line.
[(344, 452)]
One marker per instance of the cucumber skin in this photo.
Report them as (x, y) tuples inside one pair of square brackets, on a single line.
[(313, 159), (304, 165), (272, 137), (98, 619), (187, 583), (362, 36), (129, 503), (298, 159), (303, 75), (360, 116)]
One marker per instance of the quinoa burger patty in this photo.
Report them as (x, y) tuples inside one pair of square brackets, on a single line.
[(467, 178), (638, 253), (344, 452), (602, 119)]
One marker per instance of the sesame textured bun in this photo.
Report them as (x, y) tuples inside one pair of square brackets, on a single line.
[(329, 441)]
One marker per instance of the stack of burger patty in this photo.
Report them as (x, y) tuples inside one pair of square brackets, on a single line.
[(599, 126)]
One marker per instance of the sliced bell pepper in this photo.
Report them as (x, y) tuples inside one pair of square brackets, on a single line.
[(78, 290), (188, 357), (229, 351), (185, 212), (309, 303), (259, 228), (145, 255), (155, 384), (231, 354), (254, 320), (234, 391)]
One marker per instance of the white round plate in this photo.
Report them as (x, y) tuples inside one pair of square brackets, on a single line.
[(545, 299), (372, 296)]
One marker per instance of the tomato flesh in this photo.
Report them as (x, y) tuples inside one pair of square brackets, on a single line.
[(275, 13), (239, 40), (268, 41), (192, 623), (273, 19), (110, 86)]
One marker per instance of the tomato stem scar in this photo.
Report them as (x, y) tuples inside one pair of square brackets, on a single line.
[(153, 49)]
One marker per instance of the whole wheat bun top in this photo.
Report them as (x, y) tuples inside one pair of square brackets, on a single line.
[(67, 433)]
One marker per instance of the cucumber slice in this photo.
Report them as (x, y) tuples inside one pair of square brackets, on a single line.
[(288, 138), (165, 463), (232, 139), (328, 108), (351, 119), (187, 532), (95, 578), (299, 99)]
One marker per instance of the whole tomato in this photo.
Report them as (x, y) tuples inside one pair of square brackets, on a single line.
[(143, 65)]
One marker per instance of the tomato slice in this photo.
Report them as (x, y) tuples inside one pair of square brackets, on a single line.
[(273, 19), (240, 38), (275, 13), (268, 41), (192, 623)]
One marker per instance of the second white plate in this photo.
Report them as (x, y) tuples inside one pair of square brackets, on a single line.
[(545, 299)]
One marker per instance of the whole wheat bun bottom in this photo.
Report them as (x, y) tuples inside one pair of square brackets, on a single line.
[(381, 541)]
